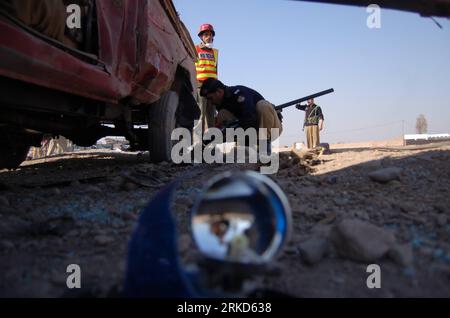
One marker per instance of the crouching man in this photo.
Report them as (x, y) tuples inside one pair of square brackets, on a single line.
[(244, 106)]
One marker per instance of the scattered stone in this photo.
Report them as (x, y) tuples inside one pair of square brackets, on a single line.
[(4, 187), (441, 208), (75, 183), (53, 226), (4, 202), (185, 201), (92, 189), (338, 280), (441, 219), (329, 218), (385, 175), (407, 207), (73, 233), (324, 148), (103, 239), (6, 245), (313, 250), (363, 215), (361, 241), (401, 254), (129, 186), (184, 242), (58, 278), (322, 230), (340, 201), (13, 226), (291, 250), (331, 180), (396, 183), (126, 216)]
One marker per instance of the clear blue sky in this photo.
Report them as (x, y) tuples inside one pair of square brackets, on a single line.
[(289, 49)]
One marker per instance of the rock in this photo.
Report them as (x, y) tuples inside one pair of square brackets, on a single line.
[(361, 241), (324, 148), (321, 230), (401, 254), (385, 175), (407, 207), (441, 219), (103, 239), (330, 218), (287, 186), (92, 189), (331, 180), (4, 202), (75, 183), (13, 226), (126, 216), (313, 250), (6, 245), (340, 201), (53, 226), (291, 250), (441, 208), (396, 183), (363, 215), (129, 186), (184, 243), (56, 191), (73, 233), (58, 278), (185, 201)]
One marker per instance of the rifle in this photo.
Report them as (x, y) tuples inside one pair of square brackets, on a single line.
[(279, 108), (303, 99)]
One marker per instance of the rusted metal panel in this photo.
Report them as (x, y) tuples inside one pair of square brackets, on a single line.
[(140, 45), (27, 58)]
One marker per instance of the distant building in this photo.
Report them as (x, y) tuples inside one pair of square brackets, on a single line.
[(420, 139)]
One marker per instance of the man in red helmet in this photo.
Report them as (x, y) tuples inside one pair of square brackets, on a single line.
[(206, 66)]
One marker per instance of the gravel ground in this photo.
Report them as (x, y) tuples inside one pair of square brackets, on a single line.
[(351, 208)]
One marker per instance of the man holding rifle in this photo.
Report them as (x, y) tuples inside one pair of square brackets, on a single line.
[(313, 122), (240, 106)]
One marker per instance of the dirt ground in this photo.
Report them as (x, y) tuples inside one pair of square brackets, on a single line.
[(81, 209)]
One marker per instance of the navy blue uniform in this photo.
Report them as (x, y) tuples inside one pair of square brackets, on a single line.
[(241, 102)]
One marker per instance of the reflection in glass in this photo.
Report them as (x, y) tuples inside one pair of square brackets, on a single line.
[(241, 217)]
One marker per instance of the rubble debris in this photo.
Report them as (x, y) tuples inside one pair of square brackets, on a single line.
[(6, 245), (313, 250), (361, 241), (386, 174), (401, 254), (103, 239), (323, 148), (4, 202)]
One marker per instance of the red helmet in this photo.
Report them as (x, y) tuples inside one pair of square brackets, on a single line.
[(206, 27)]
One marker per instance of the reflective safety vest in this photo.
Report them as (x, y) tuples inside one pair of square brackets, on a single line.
[(206, 64)]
